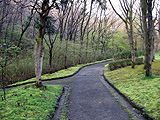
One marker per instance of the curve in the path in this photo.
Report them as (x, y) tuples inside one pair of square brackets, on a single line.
[(90, 99)]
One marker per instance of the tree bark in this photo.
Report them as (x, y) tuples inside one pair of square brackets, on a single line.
[(3, 84), (1, 26), (148, 35), (87, 46), (149, 41), (50, 59), (144, 24), (39, 47), (11, 38), (6, 32)]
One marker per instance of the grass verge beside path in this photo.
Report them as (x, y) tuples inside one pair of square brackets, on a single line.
[(61, 73), (145, 92), (30, 103)]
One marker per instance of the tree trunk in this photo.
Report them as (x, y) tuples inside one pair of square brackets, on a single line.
[(135, 44), (50, 53), (39, 47), (149, 41), (153, 50), (1, 25), (74, 41), (87, 47), (113, 47), (144, 24), (50, 60), (92, 39), (131, 39), (66, 52), (61, 28), (148, 35), (104, 49), (6, 32), (80, 53), (3, 84), (11, 39), (39, 53), (130, 35)]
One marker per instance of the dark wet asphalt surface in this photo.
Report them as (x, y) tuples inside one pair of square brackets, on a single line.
[(89, 98)]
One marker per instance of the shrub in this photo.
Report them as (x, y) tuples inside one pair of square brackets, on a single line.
[(123, 63), (127, 54), (123, 55), (140, 53), (139, 61)]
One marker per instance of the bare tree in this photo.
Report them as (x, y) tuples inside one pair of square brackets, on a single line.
[(84, 25), (127, 18), (5, 11), (27, 23), (51, 30)]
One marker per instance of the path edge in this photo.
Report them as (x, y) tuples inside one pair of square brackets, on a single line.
[(57, 77), (62, 102), (140, 109)]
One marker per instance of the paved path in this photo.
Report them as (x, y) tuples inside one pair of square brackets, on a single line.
[(89, 98)]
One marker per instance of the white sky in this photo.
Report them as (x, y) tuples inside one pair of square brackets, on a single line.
[(116, 5)]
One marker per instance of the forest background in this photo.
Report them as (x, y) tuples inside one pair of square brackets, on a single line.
[(76, 32)]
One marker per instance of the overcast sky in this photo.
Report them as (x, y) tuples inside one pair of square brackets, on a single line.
[(116, 4)]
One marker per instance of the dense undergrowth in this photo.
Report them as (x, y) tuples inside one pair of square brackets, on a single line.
[(22, 68), (30, 103), (61, 73), (143, 91)]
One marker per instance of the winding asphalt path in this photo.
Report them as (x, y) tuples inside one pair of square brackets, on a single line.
[(89, 98)]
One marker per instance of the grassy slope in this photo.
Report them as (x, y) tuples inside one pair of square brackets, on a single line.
[(29, 103), (61, 73), (143, 91)]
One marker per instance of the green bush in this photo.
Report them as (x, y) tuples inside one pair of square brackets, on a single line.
[(127, 54), (140, 53), (123, 63), (139, 61)]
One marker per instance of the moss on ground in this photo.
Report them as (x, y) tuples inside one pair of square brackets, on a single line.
[(145, 92), (157, 56), (29, 102)]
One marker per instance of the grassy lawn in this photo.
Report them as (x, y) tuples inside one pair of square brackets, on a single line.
[(29, 103), (145, 92), (61, 73)]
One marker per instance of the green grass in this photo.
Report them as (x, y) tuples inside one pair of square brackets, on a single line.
[(131, 115), (106, 65), (61, 73), (145, 92), (157, 56), (29, 103)]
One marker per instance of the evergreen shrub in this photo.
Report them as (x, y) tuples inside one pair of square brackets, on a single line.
[(123, 63), (127, 54)]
